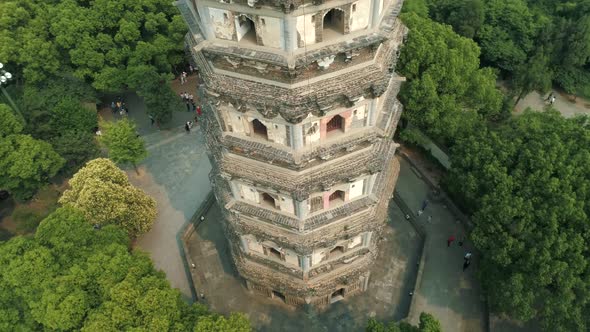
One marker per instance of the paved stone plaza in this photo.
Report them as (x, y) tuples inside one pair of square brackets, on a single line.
[(175, 174), (451, 295), (563, 104), (392, 279)]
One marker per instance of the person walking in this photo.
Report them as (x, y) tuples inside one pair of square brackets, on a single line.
[(429, 219), (187, 127), (466, 260), (199, 112), (113, 107), (552, 100), (549, 97), (191, 101), (191, 69), (151, 120), (450, 240), (467, 256), (424, 204), (183, 77), (466, 264)]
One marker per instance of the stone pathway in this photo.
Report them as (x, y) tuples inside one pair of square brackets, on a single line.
[(562, 103), (176, 175), (451, 295)]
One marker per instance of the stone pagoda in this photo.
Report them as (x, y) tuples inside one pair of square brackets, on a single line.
[(300, 110)]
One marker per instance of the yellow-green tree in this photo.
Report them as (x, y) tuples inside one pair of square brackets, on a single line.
[(72, 277), (104, 194)]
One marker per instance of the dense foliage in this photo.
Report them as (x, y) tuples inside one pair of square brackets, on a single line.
[(26, 163), (427, 324), (102, 41), (104, 194), (513, 34), (528, 186), (69, 127), (125, 146), (111, 45), (525, 181), (446, 91), (72, 277)]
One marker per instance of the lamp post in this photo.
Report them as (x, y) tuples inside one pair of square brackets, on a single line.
[(4, 78)]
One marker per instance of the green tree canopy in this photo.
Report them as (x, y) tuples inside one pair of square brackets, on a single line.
[(446, 91), (124, 144), (25, 163), (99, 40), (427, 324), (508, 33), (104, 194), (103, 43), (419, 7), (72, 277), (217, 323), (528, 187), (534, 74), (515, 34), (465, 16), (9, 124), (76, 147)]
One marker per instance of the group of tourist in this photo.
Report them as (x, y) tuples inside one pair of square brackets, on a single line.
[(189, 100)]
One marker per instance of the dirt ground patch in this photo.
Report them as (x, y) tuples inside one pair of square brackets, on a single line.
[(23, 218)]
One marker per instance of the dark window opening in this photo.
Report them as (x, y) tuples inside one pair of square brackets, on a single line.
[(339, 250), (333, 24), (275, 253), (246, 30), (337, 195), (260, 129), (278, 295), (268, 199), (336, 123), (337, 295)]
